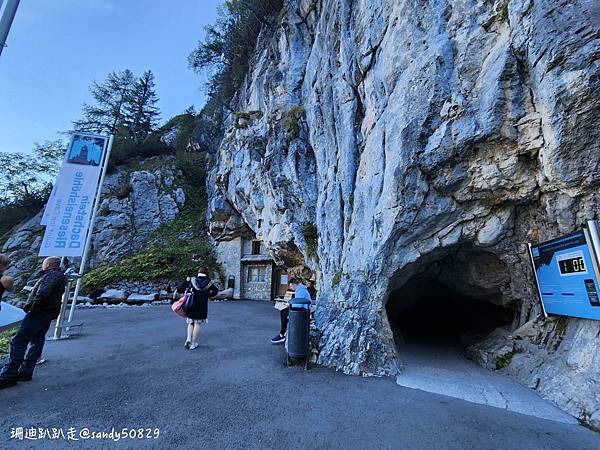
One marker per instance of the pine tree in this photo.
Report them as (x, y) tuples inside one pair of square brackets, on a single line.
[(24, 176), (112, 98), (141, 113)]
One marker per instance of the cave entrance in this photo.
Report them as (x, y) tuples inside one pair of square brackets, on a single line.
[(452, 297), (443, 302)]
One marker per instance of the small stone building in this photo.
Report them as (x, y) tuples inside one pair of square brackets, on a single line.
[(249, 270)]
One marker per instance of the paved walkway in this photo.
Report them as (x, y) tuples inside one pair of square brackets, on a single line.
[(444, 370), (130, 370)]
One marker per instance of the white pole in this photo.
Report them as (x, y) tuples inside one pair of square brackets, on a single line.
[(6, 21), (88, 239), (593, 229), (63, 308)]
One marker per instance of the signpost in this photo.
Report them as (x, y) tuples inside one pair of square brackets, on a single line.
[(567, 272), (88, 240), (6, 20), (71, 210)]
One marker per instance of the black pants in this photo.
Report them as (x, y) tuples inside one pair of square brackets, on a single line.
[(33, 334), (284, 314)]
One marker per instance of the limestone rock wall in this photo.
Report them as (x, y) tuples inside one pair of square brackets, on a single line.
[(403, 127), (23, 247), (135, 203)]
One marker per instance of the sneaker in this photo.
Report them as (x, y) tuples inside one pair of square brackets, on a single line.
[(24, 376), (187, 344), (194, 346), (278, 339), (7, 381)]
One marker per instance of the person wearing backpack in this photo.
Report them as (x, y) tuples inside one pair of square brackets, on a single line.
[(199, 290)]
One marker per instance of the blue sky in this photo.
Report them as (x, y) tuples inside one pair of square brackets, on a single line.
[(57, 47)]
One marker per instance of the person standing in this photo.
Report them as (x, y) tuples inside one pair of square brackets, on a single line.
[(200, 288), (42, 307), (283, 306), (300, 291)]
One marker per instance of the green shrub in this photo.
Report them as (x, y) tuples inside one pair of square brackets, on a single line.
[(5, 337), (242, 120), (245, 119), (193, 168), (185, 124), (16, 210), (170, 261), (126, 151), (504, 360), (336, 278), (291, 122), (311, 237), (503, 13)]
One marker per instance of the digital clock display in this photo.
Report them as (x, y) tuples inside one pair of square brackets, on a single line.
[(571, 264)]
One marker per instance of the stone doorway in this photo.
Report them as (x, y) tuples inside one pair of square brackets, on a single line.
[(280, 282)]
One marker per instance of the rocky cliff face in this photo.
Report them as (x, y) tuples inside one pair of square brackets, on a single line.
[(135, 203), (425, 140)]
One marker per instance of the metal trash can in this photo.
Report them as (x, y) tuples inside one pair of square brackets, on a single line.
[(298, 332)]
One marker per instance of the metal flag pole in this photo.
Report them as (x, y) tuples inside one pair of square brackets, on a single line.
[(61, 315), (88, 239), (7, 20), (63, 303), (595, 237)]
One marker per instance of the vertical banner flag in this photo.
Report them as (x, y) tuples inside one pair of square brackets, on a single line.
[(69, 209), (49, 203)]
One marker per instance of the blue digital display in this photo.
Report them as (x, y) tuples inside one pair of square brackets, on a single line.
[(566, 276)]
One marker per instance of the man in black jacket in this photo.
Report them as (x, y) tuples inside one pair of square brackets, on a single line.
[(43, 306)]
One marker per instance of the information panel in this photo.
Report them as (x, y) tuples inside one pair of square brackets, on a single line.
[(567, 275), (69, 210)]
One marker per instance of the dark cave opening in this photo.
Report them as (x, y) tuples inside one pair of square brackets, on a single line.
[(452, 297)]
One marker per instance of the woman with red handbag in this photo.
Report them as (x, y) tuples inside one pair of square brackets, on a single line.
[(199, 290)]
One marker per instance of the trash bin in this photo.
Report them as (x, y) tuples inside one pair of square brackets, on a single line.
[(298, 330)]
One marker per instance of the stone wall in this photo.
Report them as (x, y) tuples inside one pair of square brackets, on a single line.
[(140, 287), (229, 254), (257, 290)]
